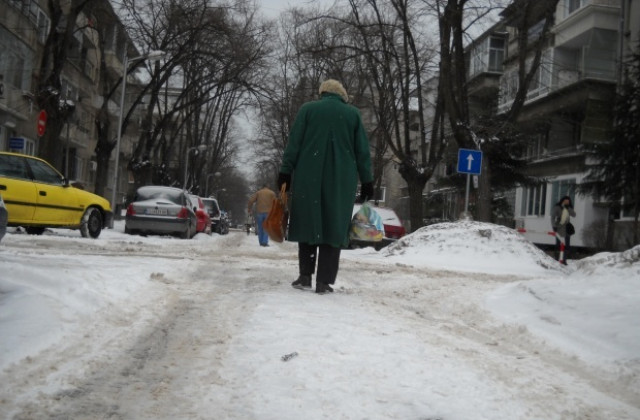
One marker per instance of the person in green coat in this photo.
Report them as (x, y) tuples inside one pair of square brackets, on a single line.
[(328, 150)]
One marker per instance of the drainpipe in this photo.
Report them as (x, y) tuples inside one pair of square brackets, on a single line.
[(623, 13)]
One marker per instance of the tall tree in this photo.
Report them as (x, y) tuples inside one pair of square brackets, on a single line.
[(49, 97), (215, 53), (398, 58), (454, 17), (615, 173)]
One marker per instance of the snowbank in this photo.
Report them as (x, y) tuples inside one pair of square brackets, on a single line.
[(473, 247)]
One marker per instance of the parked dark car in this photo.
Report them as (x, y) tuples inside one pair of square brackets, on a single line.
[(38, 197), (3, 218), (218, 222), (161, 210)]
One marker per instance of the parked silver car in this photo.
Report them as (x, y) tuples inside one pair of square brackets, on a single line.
[(161, 210)]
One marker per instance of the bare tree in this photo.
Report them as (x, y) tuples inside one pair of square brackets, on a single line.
[(398, 58), (454, 16), (215, 53), (292, 80), (64, 22)]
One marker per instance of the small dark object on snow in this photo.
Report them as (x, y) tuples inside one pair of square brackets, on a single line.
[(485, 233), (289, 356)]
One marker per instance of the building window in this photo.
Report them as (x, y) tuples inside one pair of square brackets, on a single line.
[(29, 147), (488, 55), (496, 53), (536, 146), (44, 23), (540, 83), (573, 5), (563, 187), (478, 58), (534, 200)]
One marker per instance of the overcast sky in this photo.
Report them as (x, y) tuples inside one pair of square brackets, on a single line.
[(272, 8)]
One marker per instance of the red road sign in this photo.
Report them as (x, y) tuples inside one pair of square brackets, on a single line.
[(42, 122)]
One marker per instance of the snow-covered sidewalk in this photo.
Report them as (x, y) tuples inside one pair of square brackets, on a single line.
[(466, 321)]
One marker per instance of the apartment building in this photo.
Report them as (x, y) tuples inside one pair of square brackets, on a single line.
[(24, 26), (23, 30), (568, 105)]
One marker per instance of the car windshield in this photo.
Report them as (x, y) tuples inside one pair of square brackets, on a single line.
[(211, 206), (175, 196)]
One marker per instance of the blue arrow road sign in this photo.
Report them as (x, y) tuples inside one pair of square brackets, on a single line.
[(469, 161)]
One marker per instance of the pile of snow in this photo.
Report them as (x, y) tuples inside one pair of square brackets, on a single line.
[(607, 261), (473, 247), (593, 312)]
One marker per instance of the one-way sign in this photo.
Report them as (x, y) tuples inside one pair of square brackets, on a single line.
[(469, 161)]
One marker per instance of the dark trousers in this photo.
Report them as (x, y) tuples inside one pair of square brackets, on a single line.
[(328, 261)]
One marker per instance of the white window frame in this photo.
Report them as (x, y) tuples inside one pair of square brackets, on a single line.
[(534, 201)]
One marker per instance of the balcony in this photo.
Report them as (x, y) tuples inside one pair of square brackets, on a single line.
[(577, 28)]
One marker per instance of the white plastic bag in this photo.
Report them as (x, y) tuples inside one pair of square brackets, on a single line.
[(366, 225)]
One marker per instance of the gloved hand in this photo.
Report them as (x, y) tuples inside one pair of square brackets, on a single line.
[(282, 178), (366, 192)]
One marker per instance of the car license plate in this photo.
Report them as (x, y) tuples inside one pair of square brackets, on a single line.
[(159, 212)]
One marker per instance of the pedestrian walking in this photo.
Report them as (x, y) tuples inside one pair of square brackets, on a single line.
[(561, 223), (327, 152), (263, 199)]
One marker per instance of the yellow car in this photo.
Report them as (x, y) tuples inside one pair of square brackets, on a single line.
[(37, 196)]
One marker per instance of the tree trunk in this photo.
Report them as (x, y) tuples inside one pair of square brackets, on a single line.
[(102, 171), (50, 144), (416, 186)]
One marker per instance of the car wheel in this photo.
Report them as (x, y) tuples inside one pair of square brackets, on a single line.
[(34, 230), (91, 225)]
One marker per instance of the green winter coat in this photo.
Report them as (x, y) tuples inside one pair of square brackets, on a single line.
[(327, 151)]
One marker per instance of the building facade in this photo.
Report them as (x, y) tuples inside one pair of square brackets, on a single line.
[(569, 104), (24, 27)]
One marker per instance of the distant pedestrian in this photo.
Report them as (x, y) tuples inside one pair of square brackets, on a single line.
[(561, 223), (327, 152), (263, 199)]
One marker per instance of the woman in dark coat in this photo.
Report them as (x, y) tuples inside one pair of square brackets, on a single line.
[(560, 218), (327, 152)]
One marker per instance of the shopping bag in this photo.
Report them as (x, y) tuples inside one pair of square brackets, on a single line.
[(571, 230), (276, 222), (366, 225)]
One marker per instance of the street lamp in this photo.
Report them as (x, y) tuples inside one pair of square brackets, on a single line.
[(200, 148), (206, 188), (152, 56)]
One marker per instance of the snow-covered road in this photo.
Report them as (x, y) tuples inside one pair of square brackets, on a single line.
[(199, 328)]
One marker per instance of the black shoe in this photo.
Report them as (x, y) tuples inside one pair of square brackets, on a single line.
[(304, 281), (322, 288)]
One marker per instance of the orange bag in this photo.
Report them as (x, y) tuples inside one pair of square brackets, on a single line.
[(278, 218)]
